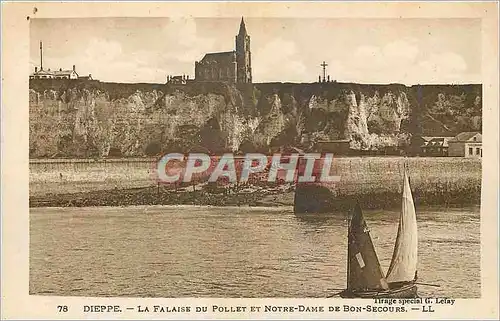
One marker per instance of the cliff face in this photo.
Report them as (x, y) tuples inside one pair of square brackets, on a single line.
[(93, 119)]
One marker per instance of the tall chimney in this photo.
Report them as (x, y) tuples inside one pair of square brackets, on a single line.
[(74, 68), (41, 56)]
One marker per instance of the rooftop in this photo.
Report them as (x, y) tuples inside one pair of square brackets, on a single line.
[(466, 136), (437, 141), (59, 72), (217, 56)]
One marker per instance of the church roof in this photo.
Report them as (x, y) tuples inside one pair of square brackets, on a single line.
[(219, 57)]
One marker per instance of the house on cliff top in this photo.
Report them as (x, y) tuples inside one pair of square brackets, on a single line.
[(55, 74), (58, 74), (178, 80)]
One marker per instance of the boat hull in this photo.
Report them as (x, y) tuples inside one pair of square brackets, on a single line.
[(405, 291)]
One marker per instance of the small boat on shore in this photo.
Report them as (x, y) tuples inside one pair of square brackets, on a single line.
[(365, 278)]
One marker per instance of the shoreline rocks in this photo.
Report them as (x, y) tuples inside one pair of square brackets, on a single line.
[(258, 197)]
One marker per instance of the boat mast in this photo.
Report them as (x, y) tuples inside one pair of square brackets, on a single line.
[(348, 241)]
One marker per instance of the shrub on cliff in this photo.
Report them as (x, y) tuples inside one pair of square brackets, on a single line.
[(153, 149), (115, 152), (287, 137), (212, 137), (247, 146)]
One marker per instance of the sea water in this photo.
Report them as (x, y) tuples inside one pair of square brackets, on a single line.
[(188, 251)]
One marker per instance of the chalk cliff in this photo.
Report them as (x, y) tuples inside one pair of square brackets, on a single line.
[(94, 119)]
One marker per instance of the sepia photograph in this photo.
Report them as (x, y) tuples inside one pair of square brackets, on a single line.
[(396, 102), (250, 156)]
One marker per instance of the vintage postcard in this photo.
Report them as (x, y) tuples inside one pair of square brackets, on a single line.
[(217, 160)]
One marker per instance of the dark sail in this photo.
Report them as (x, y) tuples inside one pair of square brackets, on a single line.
[(364, 271)]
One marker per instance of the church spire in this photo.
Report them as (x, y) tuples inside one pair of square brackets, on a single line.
[(243, 29), (243, 55)]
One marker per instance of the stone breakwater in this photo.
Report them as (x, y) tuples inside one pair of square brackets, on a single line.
[(166, 196), (263, 197), (374, 181)]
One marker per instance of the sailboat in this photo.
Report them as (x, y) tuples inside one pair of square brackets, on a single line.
[(365, 278)]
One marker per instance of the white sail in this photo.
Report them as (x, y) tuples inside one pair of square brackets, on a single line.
[(404, 258)]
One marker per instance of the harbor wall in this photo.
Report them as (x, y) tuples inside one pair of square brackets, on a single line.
[(376, 181)]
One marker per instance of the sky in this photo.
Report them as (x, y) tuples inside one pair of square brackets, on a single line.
[(378, 51)]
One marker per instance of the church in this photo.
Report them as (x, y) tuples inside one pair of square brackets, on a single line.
[(230, 66)]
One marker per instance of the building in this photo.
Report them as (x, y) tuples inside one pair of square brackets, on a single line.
[(414, 147), (435, 146), (55, 74), (66, 74), (466, 144), (58, 74), (42, 74), (178, 80), (231, 66), (89, 77)]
